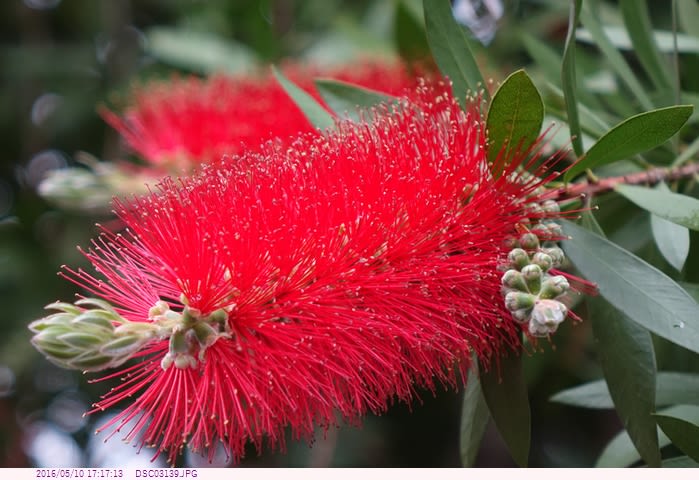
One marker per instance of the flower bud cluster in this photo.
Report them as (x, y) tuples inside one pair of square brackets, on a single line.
[(89, 339), (97, 338), (190, 333), (532, 294)]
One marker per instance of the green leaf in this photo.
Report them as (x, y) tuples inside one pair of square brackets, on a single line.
[(620, 451), (505, 394), (451, 49), (315, 113), (616, 59), (672, 388), (692, 289), (409, 33), (644, 293), (345, 99), (198, 51), (671, 239), (626, 354), (684, 434), (677, 208), (474, 420), (569, 79), (637, 21), (688, 16), (619, 38), (634, 135), (514, 118), (680, 462)]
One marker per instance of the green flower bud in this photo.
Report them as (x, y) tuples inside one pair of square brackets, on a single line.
[(81, 340), (556, 255), (518, 258), (551, 207), (534, 210), (205, 334), (529, 241), (554, 287), (555, 230), (514, 280), (542, 260), (518, 301), (124, 345), (532, 276), (522, 315)]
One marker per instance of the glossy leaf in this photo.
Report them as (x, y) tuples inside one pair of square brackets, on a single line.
[(616, 59), (474, 420), (569, 78), (634, 135), (505, 393), (672, 388), (620, 451), (684, 434), (198, 51), (677, 208), (315, 113), (637, 22), (451, 49), (345, 99), (409, 33), (625, 351), (671, 239), (645, 294), (515, 117)]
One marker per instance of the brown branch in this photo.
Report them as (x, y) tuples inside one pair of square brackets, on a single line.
[(651, 177)]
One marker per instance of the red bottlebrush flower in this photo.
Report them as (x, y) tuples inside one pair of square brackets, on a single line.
[(353, 269), (184, 122)]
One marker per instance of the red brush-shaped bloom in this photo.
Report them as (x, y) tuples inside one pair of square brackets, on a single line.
[(183, 122), (332, 276)]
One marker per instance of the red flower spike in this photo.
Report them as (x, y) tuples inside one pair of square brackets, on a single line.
[(179, 124), (355, 268)]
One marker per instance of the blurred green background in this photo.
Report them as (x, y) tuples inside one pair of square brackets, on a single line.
[(60, 59)]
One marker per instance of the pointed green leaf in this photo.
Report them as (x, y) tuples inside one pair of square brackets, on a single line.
[(671, 239), (198, 51), (514, 117), (81, 340), (451, 49), (616, 59), (345, 99), (314, 112), (637, 21), (680, 462), (684, 434), (672, 388), (677, 208), (634, 135), (569, 79), (620, 451), (474, 420), (625, 351), (645, 294), (505, 393), (409, 33)]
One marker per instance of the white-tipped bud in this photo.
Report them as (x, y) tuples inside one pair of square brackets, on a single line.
[(532, 276), (518, 258), (554, 287), (542, 260)]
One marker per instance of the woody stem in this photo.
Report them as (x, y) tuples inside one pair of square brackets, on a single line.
[(608, 184)]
